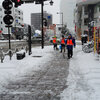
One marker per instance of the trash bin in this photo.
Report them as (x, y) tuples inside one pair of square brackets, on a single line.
[(20, 55)]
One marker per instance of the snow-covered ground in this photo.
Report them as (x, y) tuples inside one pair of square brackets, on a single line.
[(11, 69), (84, 77), (84, 72)]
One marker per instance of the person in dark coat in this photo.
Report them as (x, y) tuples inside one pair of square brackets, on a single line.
[(55, 42), (62, 43), (70, 43)]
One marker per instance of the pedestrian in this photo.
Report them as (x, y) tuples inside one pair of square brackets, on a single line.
[(84, 39), (70, 43), (62, 43), (55, 42)]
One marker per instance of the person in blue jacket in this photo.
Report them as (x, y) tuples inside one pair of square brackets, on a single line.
[(70, 43)]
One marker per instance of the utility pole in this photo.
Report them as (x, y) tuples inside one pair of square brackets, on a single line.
[(42, 42), (29, 39)]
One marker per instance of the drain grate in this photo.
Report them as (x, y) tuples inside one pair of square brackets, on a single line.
[(37, 56)]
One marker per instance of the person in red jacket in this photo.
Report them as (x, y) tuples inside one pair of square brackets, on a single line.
[(55, 42), (70, 43)]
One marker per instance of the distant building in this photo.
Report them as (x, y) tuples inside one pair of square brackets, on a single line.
[(17, 26), (86, 13), (36, 19)]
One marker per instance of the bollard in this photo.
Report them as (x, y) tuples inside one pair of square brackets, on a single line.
[(2, 58), (26, 49)]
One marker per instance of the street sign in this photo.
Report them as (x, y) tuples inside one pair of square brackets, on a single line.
[(16, 20), (49, 17)]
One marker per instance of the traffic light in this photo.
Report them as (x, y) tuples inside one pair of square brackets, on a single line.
[(44, 21), (17, 2), (7, 5)]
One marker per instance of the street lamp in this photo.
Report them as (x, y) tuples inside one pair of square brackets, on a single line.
[(62, 19), (42, 4), (51, 2)]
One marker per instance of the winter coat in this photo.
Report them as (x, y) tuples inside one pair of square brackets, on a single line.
[(70, 46), (62, 41)]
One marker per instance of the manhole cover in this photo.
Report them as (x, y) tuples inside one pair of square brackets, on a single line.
[(37, 56)]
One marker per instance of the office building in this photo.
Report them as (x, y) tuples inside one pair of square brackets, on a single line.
[(87, 14), (36, 19)]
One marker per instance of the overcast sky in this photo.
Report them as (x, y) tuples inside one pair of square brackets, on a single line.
[(33, 8)]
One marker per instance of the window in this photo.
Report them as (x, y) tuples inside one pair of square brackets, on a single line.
[(1, 29), (19, 12), (99, 8), (86, 10), (95, 9), (86, 32), (0, 9), (86, 21)]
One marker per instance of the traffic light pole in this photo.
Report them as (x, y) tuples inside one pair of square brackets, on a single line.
[(9, 42), (29, 39), (42, 42)]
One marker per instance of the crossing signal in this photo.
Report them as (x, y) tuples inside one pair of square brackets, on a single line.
[(7, 5), (44, 21)]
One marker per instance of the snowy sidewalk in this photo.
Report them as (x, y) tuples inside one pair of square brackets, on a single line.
[(84, 77), (11, 69), (41, 76)]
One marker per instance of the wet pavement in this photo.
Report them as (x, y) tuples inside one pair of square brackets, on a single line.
[(44, 84)]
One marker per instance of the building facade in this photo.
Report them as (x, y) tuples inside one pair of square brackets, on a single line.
[(36, 19), (87, 14), (17, 25)]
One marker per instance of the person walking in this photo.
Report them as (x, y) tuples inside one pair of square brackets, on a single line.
[(55, 42), (70, 43), (62, 43)]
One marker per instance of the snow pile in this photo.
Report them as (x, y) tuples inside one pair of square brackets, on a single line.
[(84, 77)]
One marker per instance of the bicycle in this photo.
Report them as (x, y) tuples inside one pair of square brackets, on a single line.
[(88, 47)]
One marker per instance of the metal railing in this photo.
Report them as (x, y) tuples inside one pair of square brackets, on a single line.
[(3, 54)]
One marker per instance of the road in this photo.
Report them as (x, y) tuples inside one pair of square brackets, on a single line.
[(44, 84)]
